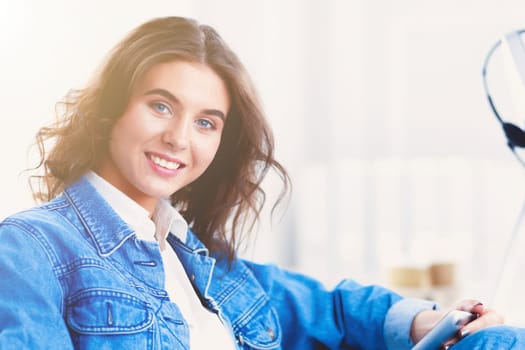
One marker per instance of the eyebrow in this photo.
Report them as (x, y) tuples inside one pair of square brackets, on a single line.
[(173, 99)]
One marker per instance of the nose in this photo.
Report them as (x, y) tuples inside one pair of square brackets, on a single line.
[(177, 133)]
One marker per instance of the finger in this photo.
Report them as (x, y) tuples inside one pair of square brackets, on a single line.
[(488, 318), (446, 345), (478, 308), (469, 305)]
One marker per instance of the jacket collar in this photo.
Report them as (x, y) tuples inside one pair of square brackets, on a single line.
[(107, 230), (235, 293)]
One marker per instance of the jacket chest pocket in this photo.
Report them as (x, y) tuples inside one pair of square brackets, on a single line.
[(106, 319)]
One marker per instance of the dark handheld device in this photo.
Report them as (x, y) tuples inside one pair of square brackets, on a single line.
[(445, 329)]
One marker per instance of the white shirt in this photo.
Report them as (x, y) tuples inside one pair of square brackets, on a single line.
[(206, 329)]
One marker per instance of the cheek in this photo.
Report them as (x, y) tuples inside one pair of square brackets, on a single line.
[(118, 143), (124, 143), (121, 132), (133, 129), (206, 151)]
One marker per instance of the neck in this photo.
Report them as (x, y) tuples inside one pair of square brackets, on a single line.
[(109, 173)]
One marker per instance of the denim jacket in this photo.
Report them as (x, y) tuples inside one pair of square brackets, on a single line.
[(75, 276)]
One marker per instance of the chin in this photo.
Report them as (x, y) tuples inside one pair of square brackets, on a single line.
[(162, 193)]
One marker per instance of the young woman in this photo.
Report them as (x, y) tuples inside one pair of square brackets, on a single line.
[(153, 176)]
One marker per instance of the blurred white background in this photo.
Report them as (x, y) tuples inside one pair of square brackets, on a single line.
[(378, 111)]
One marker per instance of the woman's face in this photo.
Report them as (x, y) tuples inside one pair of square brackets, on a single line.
[(169, 132)]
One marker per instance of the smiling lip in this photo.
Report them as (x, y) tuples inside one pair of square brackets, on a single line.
[(163, 165)]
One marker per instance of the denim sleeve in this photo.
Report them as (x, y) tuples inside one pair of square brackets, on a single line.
[(30, 295), (399, 321), (350, 315)]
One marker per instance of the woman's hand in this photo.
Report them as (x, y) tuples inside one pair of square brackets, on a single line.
[(425, 320), (486, 317)]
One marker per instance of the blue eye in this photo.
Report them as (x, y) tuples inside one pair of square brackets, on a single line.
[(206, 124), (160, 107)]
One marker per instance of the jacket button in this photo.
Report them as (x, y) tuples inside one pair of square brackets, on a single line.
[(193, 277), (271, 333)]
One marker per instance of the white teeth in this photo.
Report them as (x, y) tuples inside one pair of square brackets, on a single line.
[(164, 163)]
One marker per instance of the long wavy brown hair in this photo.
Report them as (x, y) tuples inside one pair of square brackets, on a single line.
[(226, 201)]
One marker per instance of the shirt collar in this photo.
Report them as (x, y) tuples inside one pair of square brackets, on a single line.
[(164, 219), (168, 219)]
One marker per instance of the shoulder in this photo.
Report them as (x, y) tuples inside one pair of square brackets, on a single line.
[(35, 220), (42, 228)]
